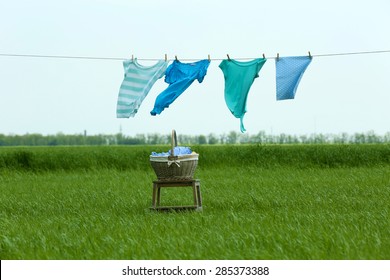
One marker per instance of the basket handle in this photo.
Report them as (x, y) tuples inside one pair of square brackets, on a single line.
[(174, 142)]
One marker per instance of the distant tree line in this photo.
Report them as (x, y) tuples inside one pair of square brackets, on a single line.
[(158, 139)]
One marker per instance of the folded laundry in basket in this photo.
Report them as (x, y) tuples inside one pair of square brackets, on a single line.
[(177, 152)]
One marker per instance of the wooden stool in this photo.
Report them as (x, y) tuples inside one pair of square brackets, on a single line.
[(194, 183)]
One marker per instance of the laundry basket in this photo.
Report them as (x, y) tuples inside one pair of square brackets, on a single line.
[(174, 167)]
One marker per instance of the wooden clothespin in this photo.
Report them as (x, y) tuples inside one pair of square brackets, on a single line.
[(132, 57), (209, 57), (277, 56), (166, 57), (310, 55), (176, 57), (228, 57), (264, 56)]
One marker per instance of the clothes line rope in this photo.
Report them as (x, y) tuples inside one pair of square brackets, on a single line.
[(181, 59)]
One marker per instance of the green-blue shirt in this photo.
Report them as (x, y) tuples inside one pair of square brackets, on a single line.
[(239, 77)]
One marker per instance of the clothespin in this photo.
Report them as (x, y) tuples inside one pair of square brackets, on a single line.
[(132, 57), (176, 57), (166, 57), (277, 56), (228, 57), (310, 55), (264, 56), (209, 57)]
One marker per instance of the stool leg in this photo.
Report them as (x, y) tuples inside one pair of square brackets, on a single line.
[(154, 195), (199, 194), (194, 194), (158, 195)]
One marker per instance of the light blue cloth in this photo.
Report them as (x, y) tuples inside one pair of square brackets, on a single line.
[(239, 77), (289, 72), (177, 151), (136, 85), (179, 76)]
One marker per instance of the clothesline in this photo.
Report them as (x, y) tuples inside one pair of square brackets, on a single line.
[(138, 80), (176, 57)]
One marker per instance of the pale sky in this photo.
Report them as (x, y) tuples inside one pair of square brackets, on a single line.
[(337, 94)]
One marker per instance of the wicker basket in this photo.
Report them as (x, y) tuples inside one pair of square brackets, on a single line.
[(181, 167)]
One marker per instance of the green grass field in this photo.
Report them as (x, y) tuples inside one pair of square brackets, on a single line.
[(260, 202)]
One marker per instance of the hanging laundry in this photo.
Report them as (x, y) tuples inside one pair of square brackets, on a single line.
[(179, 76), (136, 85), (239, 77), (289, 72)]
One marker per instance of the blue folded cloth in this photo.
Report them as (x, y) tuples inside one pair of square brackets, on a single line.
[(177, 151), (289, 72)]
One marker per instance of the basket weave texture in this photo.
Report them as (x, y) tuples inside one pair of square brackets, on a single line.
[(181, 167)]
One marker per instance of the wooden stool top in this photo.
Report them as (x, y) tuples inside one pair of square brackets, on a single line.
[(176, 181)]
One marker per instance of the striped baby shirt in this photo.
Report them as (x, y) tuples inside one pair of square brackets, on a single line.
[(137, 82)]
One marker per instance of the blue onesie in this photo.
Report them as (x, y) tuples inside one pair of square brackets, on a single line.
[(289, 72), (179, 76)]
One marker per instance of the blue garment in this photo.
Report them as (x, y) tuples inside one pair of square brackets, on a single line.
[(179, 76), (289, 72), (177, 152), (239, 77), (136, 85)]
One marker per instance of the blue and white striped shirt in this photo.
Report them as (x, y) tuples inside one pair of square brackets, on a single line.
[(136, 85)]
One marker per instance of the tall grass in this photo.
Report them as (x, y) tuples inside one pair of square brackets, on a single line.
[(260, 202), (136, 157)]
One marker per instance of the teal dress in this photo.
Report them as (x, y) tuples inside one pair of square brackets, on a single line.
[(239, 77)]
